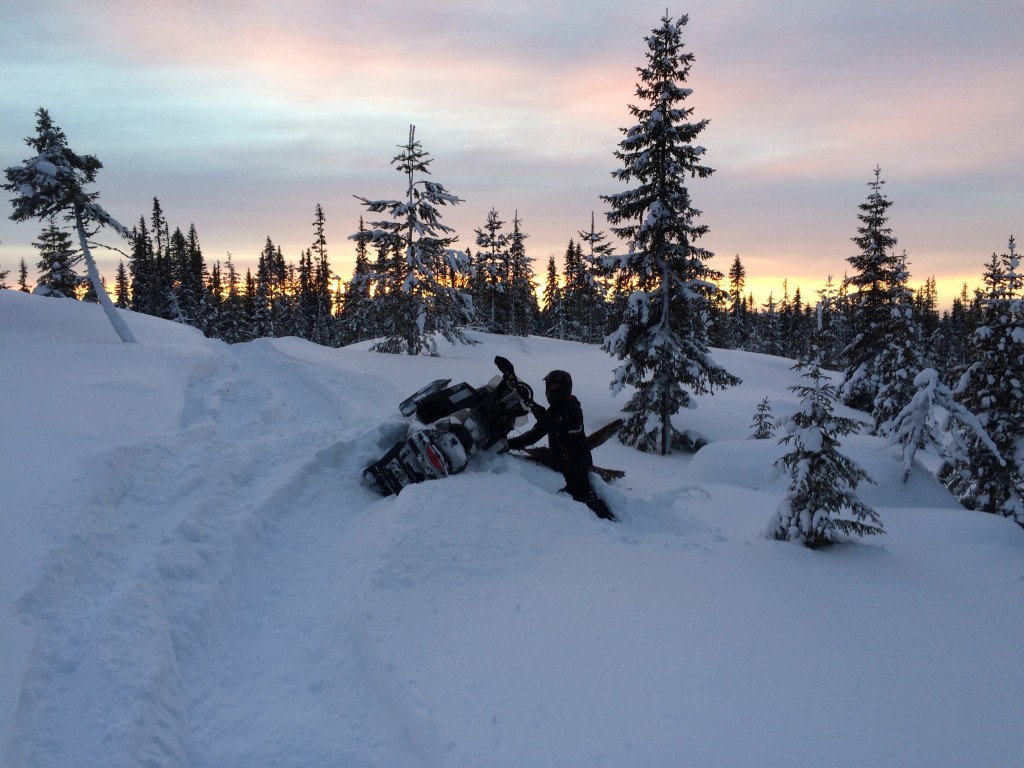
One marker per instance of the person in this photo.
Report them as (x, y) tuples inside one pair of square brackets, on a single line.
[(562, 422)]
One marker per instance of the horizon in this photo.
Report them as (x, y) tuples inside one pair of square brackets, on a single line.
[(242, 122)]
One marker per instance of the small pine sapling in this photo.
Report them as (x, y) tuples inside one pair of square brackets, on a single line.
[(764, 424), (821, 501)]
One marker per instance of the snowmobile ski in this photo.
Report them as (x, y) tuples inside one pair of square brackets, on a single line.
[(542, 454)]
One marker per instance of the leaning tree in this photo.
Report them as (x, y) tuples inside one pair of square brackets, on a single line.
[(53, 184)]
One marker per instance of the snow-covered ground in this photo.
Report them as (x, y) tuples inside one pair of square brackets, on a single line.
[(192, 574)]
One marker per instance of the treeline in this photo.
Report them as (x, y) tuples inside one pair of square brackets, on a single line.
[(167, 276)]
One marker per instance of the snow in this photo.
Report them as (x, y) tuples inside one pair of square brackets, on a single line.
[(192, 574)]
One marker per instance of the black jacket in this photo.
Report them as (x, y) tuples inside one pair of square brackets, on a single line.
[(567, 438)]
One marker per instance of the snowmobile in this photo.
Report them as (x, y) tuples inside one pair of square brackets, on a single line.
[(451, 424)]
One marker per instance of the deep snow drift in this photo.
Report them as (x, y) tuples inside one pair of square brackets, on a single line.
[(192, 574)]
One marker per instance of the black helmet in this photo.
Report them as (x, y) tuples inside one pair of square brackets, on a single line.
[(557, 386)]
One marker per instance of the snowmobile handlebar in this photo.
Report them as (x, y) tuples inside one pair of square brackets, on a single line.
[(509, 372)]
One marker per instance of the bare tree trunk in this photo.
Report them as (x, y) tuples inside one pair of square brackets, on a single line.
[(123, 331)]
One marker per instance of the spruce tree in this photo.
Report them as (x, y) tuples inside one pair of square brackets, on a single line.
[(318, 309), (828, 325), (490, 273), (898, 362), (553, 314), (523, 310), (738, 326), (122, 296), (267, 280), (434, 305), (161, 290), (53, 183), (662, 339), (934, 417), (596, 263), (993, 389), (821, 500), (142, 270), (764, 425), (573, 291), (234, 325), (357, 319), (875, 265), (214, 302), (57, 259)]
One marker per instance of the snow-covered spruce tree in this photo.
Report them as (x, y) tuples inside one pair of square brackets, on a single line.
[(934, 417), (875, 266), (821, 500), (764, 424), (357, 320), (432, 267), (57, 259), (662, 338), (490, 273), (737, 320), (122, 293), (317, 305), (553, 314), (898, 362), (53, 183), (523, 310), (993, 388), (234, 325), (827, 323), (596, 264)]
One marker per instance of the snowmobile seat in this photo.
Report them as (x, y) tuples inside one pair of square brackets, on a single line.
[(446, 402)]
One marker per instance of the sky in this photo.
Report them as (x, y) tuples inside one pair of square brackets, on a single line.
[(241, 117)]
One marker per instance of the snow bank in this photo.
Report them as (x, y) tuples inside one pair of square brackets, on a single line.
[(194, 575)]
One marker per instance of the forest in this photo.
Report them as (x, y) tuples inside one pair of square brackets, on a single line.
[(951, 379)]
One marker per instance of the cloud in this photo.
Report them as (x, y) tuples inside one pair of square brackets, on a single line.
[(242, 116)]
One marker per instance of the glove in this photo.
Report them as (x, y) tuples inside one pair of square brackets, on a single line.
[(517, 444)]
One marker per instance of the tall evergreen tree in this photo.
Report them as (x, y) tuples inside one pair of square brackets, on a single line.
[(319, 310), (662, 340), (435, 306), (523, 310), (234, 324), (596, 263), (52, 183), (738, 324), (993, 389), (897, 364), (553, 314), (122, 290), (268, 279), (827, 325), (141, 270), (875, 265), (161, 292), (490, 273), (357, 320)]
